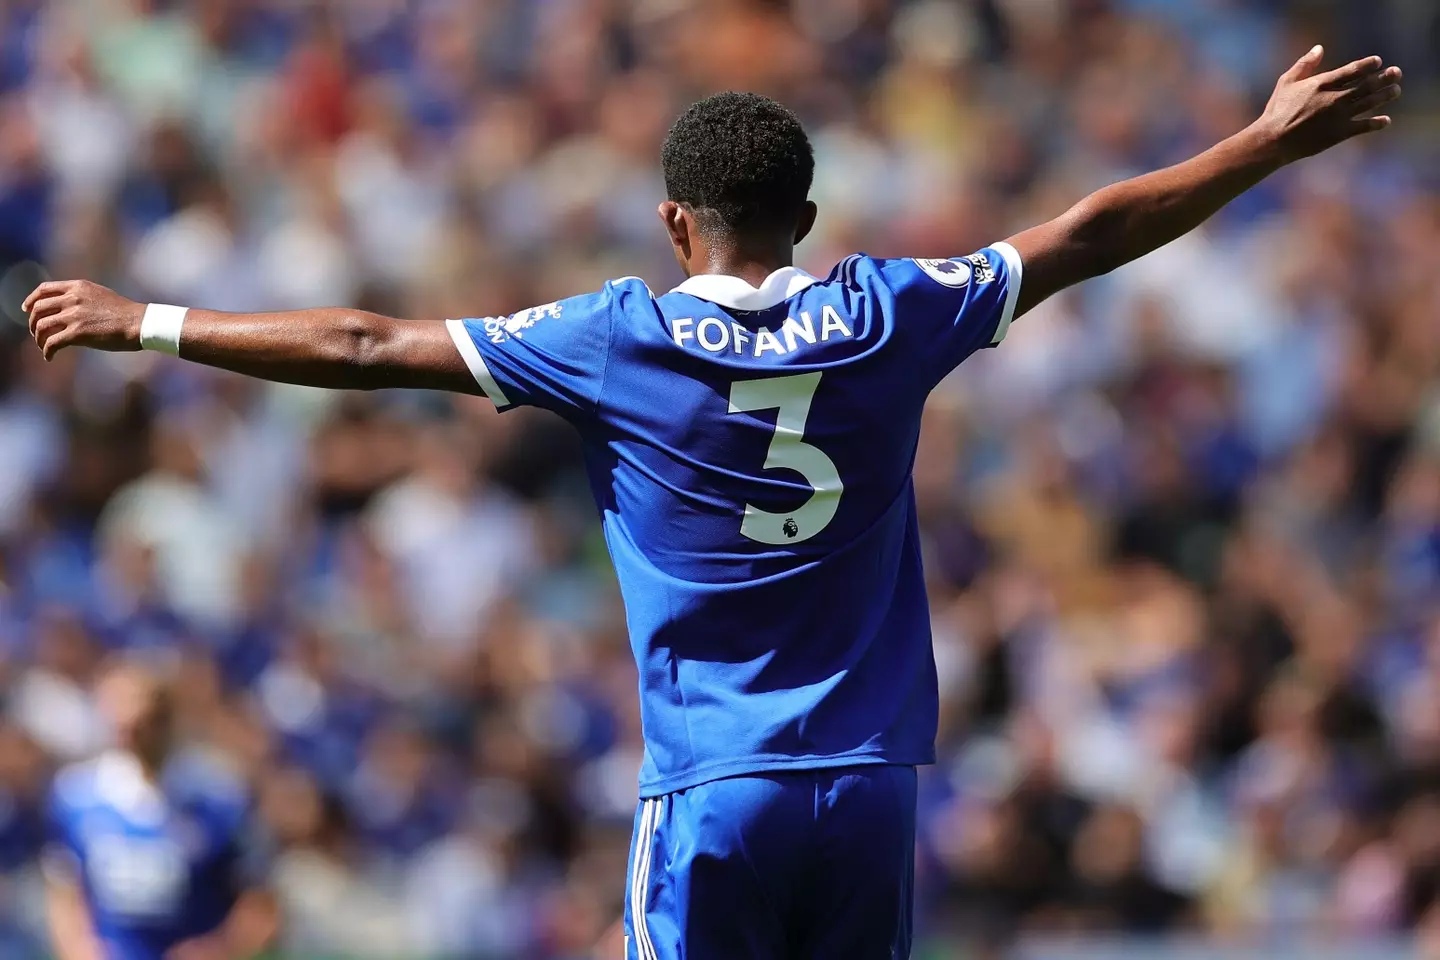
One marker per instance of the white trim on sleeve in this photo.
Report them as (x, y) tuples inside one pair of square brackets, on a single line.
[(1015, 271), (471, 355)]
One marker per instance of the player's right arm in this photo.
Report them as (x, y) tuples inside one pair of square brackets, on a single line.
[(1309, 112), (552, 356), (332, 347)]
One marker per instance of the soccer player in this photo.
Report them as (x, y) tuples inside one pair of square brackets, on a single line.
[(749, 437), (148, 859)]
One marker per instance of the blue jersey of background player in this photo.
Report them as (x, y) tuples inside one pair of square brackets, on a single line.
[(749, 438), (149, 856)]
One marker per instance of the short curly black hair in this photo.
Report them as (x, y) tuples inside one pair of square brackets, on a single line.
[(742, 162)]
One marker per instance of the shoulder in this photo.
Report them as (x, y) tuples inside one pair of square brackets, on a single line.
[(977, 269), (624, 291), (902, 273), (865, 275), (630, 286), (626, 296), (591, 311), (545, 320)]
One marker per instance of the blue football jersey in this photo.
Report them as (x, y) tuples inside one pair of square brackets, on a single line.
[(751, 450), (156, 866)]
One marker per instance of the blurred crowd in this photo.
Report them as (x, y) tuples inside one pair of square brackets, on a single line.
[(1183, 529)]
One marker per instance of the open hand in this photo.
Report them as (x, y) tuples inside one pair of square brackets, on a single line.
[(78, 313), (1310, 111)]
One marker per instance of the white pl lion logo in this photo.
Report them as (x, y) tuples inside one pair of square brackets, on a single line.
[(951, 273)]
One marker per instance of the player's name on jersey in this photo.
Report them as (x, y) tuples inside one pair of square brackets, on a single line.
[(723, 335)]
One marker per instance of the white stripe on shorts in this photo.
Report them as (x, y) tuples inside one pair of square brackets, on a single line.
[(641, 830), (640, 877)]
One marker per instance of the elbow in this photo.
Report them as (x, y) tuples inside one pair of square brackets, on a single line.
[(1098, 235), (367, 342)]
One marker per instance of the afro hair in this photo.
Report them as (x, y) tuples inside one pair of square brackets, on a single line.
[(741, 162)]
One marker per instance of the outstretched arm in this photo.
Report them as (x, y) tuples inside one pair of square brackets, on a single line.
[(1309, 112), (338, 348)]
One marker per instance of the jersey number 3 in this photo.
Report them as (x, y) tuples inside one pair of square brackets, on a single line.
[(791, 396)]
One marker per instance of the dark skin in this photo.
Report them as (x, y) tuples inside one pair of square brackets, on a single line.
[(751, 259), (1309, 112)]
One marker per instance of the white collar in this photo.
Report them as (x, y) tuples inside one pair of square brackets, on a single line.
[(735, 294)]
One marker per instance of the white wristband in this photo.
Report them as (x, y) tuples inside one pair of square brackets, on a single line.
[(160, 328)]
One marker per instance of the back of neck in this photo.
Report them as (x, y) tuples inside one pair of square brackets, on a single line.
[(751, 266)]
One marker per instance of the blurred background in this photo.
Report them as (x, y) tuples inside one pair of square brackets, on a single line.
[(1183, 530)]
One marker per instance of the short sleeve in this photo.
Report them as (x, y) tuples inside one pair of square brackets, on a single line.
[(957, 306), (551, 356)]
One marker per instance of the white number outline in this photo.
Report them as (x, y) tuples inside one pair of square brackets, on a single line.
[(791, 396)]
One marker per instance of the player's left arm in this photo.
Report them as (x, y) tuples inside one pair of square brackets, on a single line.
[(333, 347), (1308, 113)]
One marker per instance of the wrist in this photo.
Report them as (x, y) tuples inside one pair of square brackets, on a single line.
[(1264, 144), (160, 327)]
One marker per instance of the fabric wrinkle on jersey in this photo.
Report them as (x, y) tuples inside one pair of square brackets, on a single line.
[(750, 450)]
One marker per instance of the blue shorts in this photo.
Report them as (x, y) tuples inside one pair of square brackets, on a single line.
[(806, 864)]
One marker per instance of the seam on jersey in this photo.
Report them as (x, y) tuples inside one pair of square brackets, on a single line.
[(642, 283), (609, 342), (672, 664)]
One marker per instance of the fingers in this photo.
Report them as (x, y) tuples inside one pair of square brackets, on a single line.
[(48, 298), (1375, 100), (40, 310), (50, 335), (46, 307), (57, 341), (1373, 92), (1367, 125), (48, 304), (1389, 77), (1350, 74), (47, 289), (1306, 65)]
